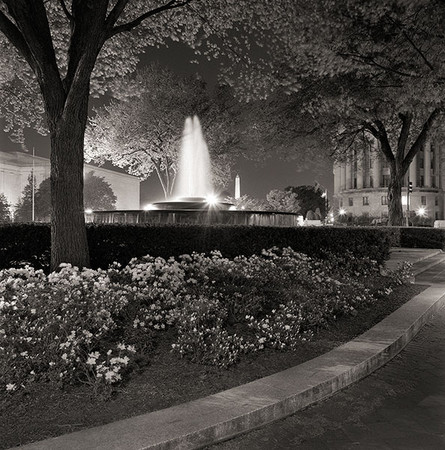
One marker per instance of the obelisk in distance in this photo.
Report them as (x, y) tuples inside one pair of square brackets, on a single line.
[(237, 186)]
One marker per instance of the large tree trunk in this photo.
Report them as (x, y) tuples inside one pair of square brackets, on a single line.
[(68, 232), (395, 210)]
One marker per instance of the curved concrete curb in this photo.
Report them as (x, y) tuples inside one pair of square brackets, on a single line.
[(228, 413)]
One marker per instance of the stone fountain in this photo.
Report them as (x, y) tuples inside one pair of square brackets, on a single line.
[(194, 200)]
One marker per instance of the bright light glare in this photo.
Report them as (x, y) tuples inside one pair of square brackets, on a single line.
[(89, 211), (149, 207), (342, 212), (211, 199), (421, 211), (232, 208)]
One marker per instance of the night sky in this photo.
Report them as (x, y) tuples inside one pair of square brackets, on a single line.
[(257, 179)]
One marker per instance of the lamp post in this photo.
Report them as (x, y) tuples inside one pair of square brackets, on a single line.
[(408, 192), (33, 193)]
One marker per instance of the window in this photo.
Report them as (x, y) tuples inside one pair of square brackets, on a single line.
[(436, 201), (371, 181), (355, 183), (385, 180), (421, 163), (423, 200), (365, 201), (341, 203), (422, 181), (384, 199), (351, 201)]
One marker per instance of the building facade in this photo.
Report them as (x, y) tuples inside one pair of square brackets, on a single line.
[(16, 167), (361, 183)]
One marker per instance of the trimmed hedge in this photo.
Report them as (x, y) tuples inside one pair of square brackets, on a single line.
[(30, 243), (24, 242), (421, 237)]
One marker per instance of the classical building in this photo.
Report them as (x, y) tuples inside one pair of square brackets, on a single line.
[(361, 183), (16, 167)]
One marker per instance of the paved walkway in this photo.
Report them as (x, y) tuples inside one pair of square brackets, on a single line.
[(400, 406)]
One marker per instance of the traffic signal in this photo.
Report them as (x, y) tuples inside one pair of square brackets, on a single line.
[(410, 187)]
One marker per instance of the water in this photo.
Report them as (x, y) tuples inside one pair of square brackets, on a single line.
[(194, 177)]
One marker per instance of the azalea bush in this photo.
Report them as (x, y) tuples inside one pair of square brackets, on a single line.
[(95, 326)]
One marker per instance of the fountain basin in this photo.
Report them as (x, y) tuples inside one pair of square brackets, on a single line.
[(209, 216), (191, 204)]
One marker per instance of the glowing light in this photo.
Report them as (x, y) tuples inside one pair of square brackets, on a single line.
[(232, 208), (404, 200), (421, 211), (89, 211), (149, 207), (342, 212), (212, 199)]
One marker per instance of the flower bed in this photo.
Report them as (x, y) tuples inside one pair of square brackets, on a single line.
[(96, 326)]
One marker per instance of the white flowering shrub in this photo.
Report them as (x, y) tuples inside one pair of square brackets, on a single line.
[(49, 324), (95, 326), (202, 336)]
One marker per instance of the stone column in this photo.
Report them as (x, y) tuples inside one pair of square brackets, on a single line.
[(337, 177), (342, 175), (349, 169), (413, 171), (360, 169), (427, 164), (437, 164), (376, 168)]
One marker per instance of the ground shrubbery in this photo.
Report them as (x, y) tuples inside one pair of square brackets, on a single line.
[(96, 326)]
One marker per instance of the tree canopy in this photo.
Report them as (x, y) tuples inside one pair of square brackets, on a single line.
[(284, 201), (309, 198), (357, 70)]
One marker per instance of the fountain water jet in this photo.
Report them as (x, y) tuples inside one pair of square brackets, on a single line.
[(194, 170), (194, 187)]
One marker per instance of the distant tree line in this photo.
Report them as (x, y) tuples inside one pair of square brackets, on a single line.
[(98, 195), (304, 200)]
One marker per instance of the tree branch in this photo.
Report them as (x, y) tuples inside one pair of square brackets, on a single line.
[(421, 138), (115, 13), (413, 45), (372, 62), (172, 4), (404, 134), (65, 10), (384, 141), (10, 30)]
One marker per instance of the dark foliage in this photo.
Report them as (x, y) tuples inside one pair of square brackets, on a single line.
[(421, 237), (29, 243)]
